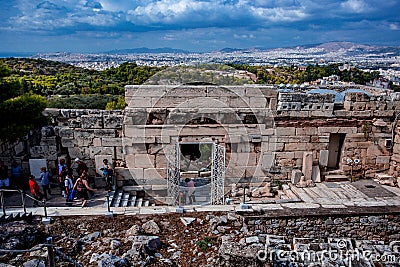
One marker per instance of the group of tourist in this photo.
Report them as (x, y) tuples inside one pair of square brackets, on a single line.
[(71, 187), (16, 175)]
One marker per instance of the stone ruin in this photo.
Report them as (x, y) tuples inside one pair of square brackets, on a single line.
[(268, 134)]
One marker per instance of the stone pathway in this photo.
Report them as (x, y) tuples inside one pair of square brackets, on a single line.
[(360, 193), (333, 196)]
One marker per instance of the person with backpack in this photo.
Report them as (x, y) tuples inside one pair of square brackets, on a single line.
[(81, 186), (69, 184), (62, 170)]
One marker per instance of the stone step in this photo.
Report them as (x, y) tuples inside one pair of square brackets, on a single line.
[(132, 201), (383, 176), (202, 199), (19, 216), (333, 172), (117, 199), (125, 199), (139, 202), (336, 178), (111, 198)]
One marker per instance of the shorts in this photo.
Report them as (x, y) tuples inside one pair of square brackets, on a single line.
[(82, 194), (5, 182)]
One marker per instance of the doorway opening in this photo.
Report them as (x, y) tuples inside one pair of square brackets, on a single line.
[(336, 141)]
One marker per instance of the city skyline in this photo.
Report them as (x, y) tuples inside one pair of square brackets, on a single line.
[(198, 26)]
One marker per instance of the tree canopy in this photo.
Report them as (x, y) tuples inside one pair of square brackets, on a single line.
[(19, 112)]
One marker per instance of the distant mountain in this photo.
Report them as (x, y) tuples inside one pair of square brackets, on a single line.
[(335, 46), (145, 50), (16, 54), (328, 47), (230, 50)]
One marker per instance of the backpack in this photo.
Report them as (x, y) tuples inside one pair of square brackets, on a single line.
[(70, 184)]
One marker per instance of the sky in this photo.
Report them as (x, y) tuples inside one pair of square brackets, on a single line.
[(193, 25)]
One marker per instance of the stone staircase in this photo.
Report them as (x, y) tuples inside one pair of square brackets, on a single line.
[(19, 216), (122, 198), (335, 176)]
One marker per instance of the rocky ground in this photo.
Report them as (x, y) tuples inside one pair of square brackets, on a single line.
[(207, 239), (164, 240)]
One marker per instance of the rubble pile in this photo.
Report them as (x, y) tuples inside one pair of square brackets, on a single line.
[(196, 239)]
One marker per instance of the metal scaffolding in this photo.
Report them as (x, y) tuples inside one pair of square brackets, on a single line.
[(217, 175), (173, 174)]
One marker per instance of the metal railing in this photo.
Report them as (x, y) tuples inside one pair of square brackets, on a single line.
[(51, 252), (24, 196)]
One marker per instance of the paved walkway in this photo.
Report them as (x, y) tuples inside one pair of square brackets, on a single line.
[(334, 197), (363, 193)]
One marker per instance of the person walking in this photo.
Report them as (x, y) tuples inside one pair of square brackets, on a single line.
[(35, 190), (107, 173), (16, 176), (69, 184), (80, 166), (45, 182), (191, 188), (4, 180), (81, 186), (62, 170)]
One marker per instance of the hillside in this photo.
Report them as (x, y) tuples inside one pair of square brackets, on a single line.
[(50, 78)]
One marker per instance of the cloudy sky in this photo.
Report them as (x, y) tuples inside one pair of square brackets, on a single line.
[(195, 25)]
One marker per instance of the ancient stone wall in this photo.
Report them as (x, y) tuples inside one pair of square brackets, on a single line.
[(159, 116), (266, 134), (395, 159), (372, 227), (89, 135)]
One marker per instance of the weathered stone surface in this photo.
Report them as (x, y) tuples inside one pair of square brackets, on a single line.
[(323, 158), (307, 165), (111, 141), (151, 227), (316, 174), (134, 230), (47, 152), (92, 121), (144, 161), (296, 175)]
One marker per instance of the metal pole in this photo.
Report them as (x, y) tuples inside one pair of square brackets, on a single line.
[(2, 203), (45, 208), (351, 173), (23, 201), (244, 194), (108, 202), (50, 251)]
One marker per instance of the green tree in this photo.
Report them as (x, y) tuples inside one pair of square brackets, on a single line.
[(21, 114), (117, 104)]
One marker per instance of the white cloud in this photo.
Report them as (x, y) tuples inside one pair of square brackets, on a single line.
[(278, 14), (169, 11), (394, 26), (243, 36), (355, 6)]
